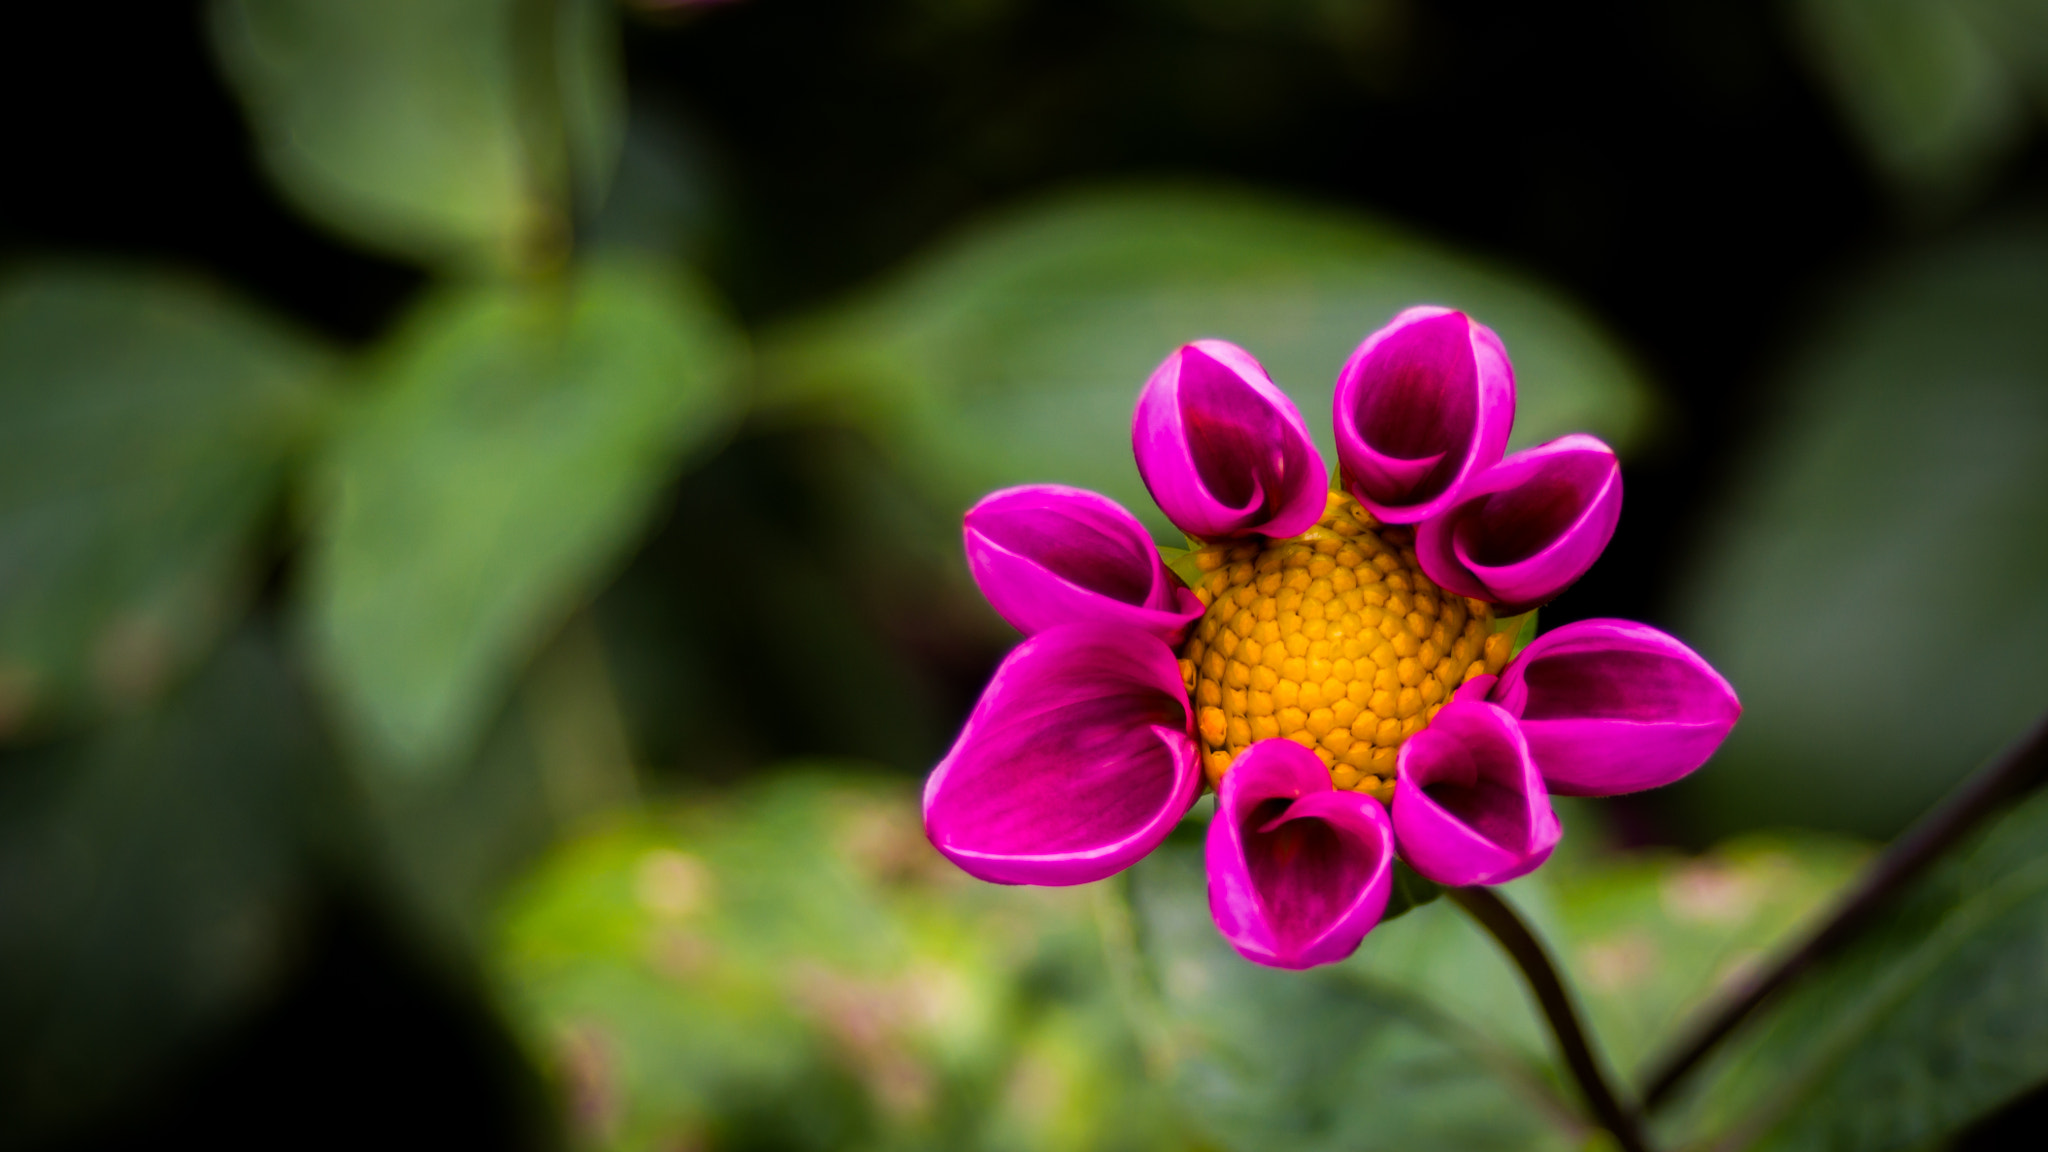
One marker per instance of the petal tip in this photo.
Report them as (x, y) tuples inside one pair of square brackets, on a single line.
[(1421, 406), (1222, 449), (1299, 872), (1612, 706)]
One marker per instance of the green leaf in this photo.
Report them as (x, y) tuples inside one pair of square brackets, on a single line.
[(1924, 85), (513, 443), (1014, 352), (1651, 938), (807, 653), (1873, 587), (446, 845), (792, 965), (1263, 1058), (1929, 1021), (146, 420), (1427, 1036), (150, 881), (447, 131)]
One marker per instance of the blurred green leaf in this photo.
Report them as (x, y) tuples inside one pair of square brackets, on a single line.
[(1015, 352), (448, 131), (793, 966), (1651, 938), (1923, 86), (1929, 1021), (846, 644), (1427, 1037), (2018, 31), (449, 843), (146, 420), (1875, 588), (512, 445), (149, 880), (664, 199), (1322, 1059)]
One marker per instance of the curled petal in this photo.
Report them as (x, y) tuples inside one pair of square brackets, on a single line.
[(1078, 759), (1223, 451), (1469, 805), (1299, 872), (1611, 706), (1422, 406), (1047, 555), (1524, 529)]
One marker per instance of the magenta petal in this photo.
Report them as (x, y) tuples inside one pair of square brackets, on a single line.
[(1299, 872), (1524, 529), (1078, 759), (1222, 450), (1611, 706), (1047, 555), (1422, 406), (1469, 805)]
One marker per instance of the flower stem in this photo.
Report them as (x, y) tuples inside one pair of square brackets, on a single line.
[(1497, 917), (2022, 767)]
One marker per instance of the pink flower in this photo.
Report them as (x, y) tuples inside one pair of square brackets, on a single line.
[(1337, 676)]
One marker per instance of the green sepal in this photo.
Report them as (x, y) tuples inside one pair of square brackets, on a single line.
[(1182, 562), (1524, 628), (1411, 890)]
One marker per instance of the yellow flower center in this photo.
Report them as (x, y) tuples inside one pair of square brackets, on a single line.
[(1334, 640)]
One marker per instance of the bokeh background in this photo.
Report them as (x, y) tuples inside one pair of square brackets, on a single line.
[(479, 486)]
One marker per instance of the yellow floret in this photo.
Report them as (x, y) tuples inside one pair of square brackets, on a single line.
[(1335, 640)]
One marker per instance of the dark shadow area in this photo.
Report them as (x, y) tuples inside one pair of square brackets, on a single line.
[(124, 142), (367, 1046)]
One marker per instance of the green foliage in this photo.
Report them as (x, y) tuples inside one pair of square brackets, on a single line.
[(793, 964), (1652, 938), (1926, 1023), (1922, 85), (1426, 1038), (806, 653), (1263, 1058), (146, 420), (448, 843), (149, 878), (1873, 591), (1014, 353), (1938, 90), (450, 131), (512, 443)]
